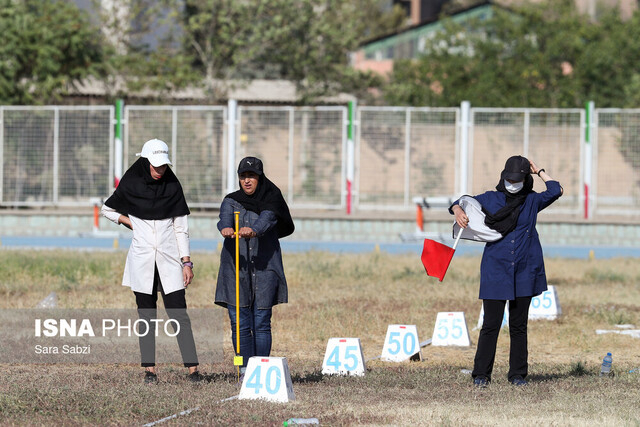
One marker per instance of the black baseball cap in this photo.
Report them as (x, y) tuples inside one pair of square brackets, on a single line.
[(516, 168), (250, 164)]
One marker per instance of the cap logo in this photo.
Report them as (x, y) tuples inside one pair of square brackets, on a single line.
[(249, 163), (160, 152)]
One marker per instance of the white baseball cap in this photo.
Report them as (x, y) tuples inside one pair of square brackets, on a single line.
[(156, 151)]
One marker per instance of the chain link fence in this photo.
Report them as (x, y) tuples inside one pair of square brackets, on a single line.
[(405, 152), (64, 156), (551, 138), (303, 151), (55, 156), (196, 137), (616, 172)]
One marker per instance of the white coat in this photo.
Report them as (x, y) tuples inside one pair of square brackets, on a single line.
[(162, 242)]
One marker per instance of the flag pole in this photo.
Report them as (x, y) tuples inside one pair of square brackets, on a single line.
[(237, 360), (457, 238)]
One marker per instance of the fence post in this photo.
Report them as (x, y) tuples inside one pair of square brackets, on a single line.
[(588, 159), (350, 155), (2, 154), (291, 159), (232, 178), (174, 139), (118, 143), (465, 107), (407, 156), (56, 154)]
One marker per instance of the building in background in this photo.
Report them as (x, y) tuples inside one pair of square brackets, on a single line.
[(379, 54)]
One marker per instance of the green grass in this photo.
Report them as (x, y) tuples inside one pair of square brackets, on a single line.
[(343, 295)]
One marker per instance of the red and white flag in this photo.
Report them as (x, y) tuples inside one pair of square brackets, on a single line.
[(436, 257)]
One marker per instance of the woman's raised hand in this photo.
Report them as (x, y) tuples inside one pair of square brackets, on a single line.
[(534, 168)]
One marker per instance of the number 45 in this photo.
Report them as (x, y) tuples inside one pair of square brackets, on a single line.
[(349, 354)]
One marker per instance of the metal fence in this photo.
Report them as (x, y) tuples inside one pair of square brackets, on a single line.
[(551, 138), (196, 136), (303, 150), (405, 152), (56, 156), (616, 172)]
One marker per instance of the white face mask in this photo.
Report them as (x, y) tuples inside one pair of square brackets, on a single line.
[(513, 188)]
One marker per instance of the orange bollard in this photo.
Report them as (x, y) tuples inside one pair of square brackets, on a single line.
[(419, 218), (96, 217)]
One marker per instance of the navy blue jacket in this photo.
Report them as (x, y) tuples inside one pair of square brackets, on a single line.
[(262, 280), (513, 266)]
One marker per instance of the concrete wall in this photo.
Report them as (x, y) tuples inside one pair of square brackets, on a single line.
[(322, 227)]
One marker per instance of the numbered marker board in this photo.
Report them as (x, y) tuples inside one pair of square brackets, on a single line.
[(505, 316), (343, 356), (545, 305), (401, 343), (451, 329), (267, 378)]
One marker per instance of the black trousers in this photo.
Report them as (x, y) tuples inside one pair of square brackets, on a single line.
[(488, 339), (176, 306)]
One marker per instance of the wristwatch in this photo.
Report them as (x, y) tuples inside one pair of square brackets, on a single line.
[(187, 264)]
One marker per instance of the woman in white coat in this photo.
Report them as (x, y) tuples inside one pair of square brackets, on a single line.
[(149, 200)]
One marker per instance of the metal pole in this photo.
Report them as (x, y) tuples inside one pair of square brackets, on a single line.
[(291, 159), (237, 360), (2, 154), (56, 154), (174, 138), (527, 124), (587, 156), (118, 143), (465, 106), (350, 155), (407, 156), (232, 179)]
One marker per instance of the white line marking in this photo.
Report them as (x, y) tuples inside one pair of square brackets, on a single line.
[(170, 417), (185, 412)]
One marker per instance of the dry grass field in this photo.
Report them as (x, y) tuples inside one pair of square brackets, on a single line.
[(342, 295)]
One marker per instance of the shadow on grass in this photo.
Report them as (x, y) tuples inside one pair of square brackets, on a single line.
[(308, 377), (576, 370), (229, 377)]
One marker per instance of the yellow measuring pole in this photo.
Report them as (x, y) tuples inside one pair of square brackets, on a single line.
[(237, 360)]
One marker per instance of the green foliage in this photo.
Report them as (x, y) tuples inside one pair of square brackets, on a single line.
[(544, 55), (47, 45), (308, 41)]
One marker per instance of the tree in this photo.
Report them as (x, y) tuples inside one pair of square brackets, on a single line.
[(544, 55), (608, 66), (211, 43), (47, 46)]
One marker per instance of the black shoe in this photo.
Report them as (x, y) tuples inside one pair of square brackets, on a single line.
[(518, 380), (195, 377), (481, 382), (150, 378)]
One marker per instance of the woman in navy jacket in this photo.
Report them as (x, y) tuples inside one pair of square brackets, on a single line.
[(264, 218), (512, 268)]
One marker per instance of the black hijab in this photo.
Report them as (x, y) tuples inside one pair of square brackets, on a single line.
[(142, 196), (267, 197), (505, 219)]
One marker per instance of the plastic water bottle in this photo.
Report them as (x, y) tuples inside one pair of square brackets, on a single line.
[(605, 369), (298, 421)]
